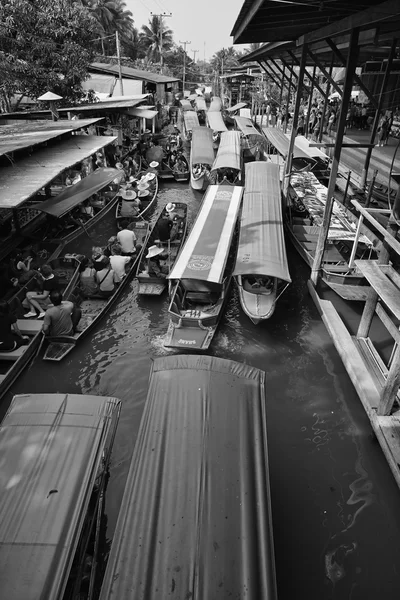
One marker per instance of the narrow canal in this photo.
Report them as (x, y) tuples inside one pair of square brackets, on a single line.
[(334, 501)]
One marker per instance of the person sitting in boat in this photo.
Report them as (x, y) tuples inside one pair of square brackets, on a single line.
[(96, 202), (61, 318), (87, 278), (118, 265), (86, 211), (263, 285), (128, 240), (11, 337), (113, 247), (154, 268), (39, 301), (106, 278), (130, 205)]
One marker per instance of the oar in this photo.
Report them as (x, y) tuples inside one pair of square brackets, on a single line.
[(84, 229), (40, 346)]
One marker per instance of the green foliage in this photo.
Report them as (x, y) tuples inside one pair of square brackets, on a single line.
[(112, 16), (44, 46), (150, 39)]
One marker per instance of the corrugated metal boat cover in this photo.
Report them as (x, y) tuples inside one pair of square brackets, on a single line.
[(195, 520), (191, 120), (202, 150), (215, 121), (262, 248), (229, 151)]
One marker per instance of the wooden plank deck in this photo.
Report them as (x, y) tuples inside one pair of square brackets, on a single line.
[(388, 291)]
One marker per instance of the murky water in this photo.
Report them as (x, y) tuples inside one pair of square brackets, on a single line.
[(335, 504)]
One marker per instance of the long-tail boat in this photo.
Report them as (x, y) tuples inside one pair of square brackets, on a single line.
[(201, 157)]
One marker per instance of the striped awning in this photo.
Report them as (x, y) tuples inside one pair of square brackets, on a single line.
[(261, 239), (206, 250), (229, 151)]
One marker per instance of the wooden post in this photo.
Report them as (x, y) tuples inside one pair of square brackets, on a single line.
[(348, 84), (288, 100), (310, 102), (286, 177), (328, 89), (282, 85), (390, 389), (375, 124), (368, 314)]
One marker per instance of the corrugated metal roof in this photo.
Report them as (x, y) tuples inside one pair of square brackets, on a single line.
[(51, 447), (22, 181), (23, 135), (132, 73), (106, 105), (195, 519)]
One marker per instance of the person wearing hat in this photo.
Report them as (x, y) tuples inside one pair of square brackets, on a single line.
[(130, 205), (154, 268)]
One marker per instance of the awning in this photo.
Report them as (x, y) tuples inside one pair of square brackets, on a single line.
[(200, 103), (75, 194), (143, 113), (262, 248), (191, 120), (202, 150), (229, 151), (237, 107), (185, 104), (52, 446), (196, 514), (246, 126), (23, 135), (28, 176), (206, 250), (215, 121), (280, 141), (216, 104), (303, 144)]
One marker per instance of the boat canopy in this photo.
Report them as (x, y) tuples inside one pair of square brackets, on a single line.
[(262, 248), (281, 142), (75, 194), (237, 107), (200, 103), (246, 126), (205, 252), (185, 105), (202, 151), (191, 120), (215, 105), (195, 517), (215, 121), (229, 153), (304, 144), (51, 448)]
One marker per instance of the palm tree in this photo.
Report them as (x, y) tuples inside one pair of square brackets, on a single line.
[(111, 16), (224, 59), (156, 39)]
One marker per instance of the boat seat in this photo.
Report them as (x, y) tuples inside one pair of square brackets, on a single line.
[(199, 297), (29, 326), (14, 355)]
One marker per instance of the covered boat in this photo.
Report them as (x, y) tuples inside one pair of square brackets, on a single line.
[(190, 121), (201, 157), (278, 142), (227, 167), (195, 520), (55, 452), (261, 271), (253, 142), (201, 108), (215, 105), (186, 105), (216, 123), (201, 276), (229, 113)]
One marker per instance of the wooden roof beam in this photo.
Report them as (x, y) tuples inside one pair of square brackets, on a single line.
[(325, 72), (310, 77)]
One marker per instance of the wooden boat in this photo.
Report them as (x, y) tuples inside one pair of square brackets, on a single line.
[(185, 105), (261, 271), (201, 157), (216, 123), (94, 308), (204, 429), (227, 166), (215, 104), (153, 286), (201, 109), (55, 455), (147, 203), (62, 205), (253, 142), (303, 219), (190, 121), (201, 277), (175, 166), (230, 113), (13, 363)]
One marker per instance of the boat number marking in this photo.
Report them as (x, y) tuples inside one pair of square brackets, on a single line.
[(186, 342)]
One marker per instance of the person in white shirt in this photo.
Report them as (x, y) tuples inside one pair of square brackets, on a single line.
[(118, 264), (128, 240), (106, 279)]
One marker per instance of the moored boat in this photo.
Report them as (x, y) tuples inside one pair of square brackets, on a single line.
[(13, 363), (55, 456), (190, 121), (261, 271), (253, 142), (216, 123), (198, 479), (228, 164), (175, 166), (93, 308), (150, 284), (201, 157), (201, 277), (215, 104), (230, 113), (147, 195), (201, 109)]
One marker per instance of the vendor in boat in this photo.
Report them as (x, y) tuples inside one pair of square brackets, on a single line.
[(38, 301), (130, 205), (113, 247), (154, 268), (87, 278), (167, 226), (106, 279), (62, 317), (128, 240), (260, 285), (11, 337)]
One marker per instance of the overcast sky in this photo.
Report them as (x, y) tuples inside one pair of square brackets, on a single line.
[(207, 24)]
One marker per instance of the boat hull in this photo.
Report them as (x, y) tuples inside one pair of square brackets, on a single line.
[(258, 307)]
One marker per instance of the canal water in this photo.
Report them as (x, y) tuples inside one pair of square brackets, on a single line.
[(335, 505)]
